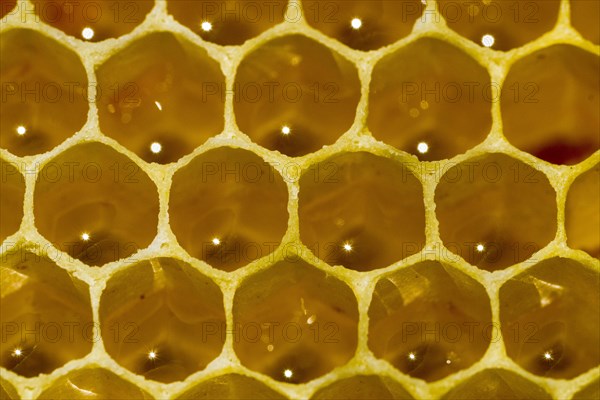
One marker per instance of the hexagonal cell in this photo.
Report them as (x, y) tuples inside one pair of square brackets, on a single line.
[(230, 387), (500, 24), (7, 391), (12, 193), (363, 387), (162, 319), (161, 97), (496, 384), (430, 99), (44, 92), (95, 204), (582, 217), (93, 20), (591, 391), (234, 212), (7, 7), (584, 18), (495, 211), (558, 89), (550, 316), (294, 322), (350, 214), (429, 320), (363, 25), (227, 22), (286, 102), (46, 315), (92, 383)]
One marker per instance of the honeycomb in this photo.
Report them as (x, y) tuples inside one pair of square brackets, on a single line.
[(300, 199)]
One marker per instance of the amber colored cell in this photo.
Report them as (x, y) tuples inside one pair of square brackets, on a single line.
[(7, 391), (228, 22), (585, 15), (7, 7), (361, 211), (558, 89), (161, 97), (294, 322), (509, 23), (363, 387), (286, 101), (44, 92), (93, 20), (39, 300), (591, 391), (495, 211), (95, 204), (155, 314), (497, 384), (430, 99), (230, 387), (92, 383), (582, 215), (429, 320), (553, 330), (363, 24), (12, 192), (228, 207)]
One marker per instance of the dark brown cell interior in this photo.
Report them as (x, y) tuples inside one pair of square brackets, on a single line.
[(553, 329), (7, 7), (162, 319), (12, 192), (429, 320), (231, 386), (294, 323), (95, 204), (361, 211), (582, 216)]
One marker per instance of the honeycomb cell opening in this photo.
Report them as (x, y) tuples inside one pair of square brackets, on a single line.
[(95, 204), (363, 25), (591, 391), (558, 88), (582, 217), (286, 102), (234, 212), (93, 20), (584, 18), (364, 387), (553, 329), (44, 92), (429, 320), (350, 213), (45, 312), (495, 211), (294, 323), (12, 194), (161, 97), (419, 97), (231, 386), (162, 319)]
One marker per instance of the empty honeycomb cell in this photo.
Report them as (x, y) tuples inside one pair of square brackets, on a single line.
[(162, 319), (582, 216), (228, 207), (500, 24), (591, 391), (495, 211), (286, 101), (361, 211), (7, 7), (430, 99), (497, 384), (230, 387), (429, 320), (229, 22), (294, 322), (363, 387), (95, 204), (363, 24), (93, 20), (584, 17), (46, 315), (558, 89), (553, 329), (12, 193), (92, 383), (44, 92), (7, 391), (161, 97)]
